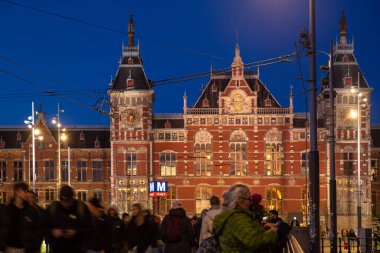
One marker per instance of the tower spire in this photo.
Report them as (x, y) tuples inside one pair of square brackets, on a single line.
[(131, 32), (343, 29)]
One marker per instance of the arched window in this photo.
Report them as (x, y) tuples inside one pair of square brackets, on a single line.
[(238, 153), (274, 199), (168, 163), (273, 153), (203, 153), (165, 203), (203, 194)]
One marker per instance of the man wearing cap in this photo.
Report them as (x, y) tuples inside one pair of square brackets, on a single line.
[(68, 222), (100, 238), (176, 230)]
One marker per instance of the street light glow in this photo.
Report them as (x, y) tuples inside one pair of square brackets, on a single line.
[(37, 131), (40, 138), (54, 121), (353, 114), (64, 137)]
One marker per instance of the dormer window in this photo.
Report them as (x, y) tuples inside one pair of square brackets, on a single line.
[(81, 136), (345, 58), (18, 136), (214, 88), (268, 102), (168, 124), (97, 143), (130, 82), (347, 81), (206, 103)]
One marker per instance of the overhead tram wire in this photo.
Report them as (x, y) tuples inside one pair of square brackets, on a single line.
[(48, 93), (36, 85), (43, 75), (110, 29)]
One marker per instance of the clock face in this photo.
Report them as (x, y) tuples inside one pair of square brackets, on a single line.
[(129, 118)]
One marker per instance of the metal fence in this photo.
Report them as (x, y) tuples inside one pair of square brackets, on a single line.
[(353, 244)]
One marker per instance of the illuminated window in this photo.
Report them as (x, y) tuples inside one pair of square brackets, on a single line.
[(17, 171), (238, 153), (273, 159), (165, 203), (203, 154), (203, 194), (131, 163), (168, 163), (274, 199), (49, 196), (49, 170)]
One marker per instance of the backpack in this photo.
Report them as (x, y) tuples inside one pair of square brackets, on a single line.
[(211, 244), (174, 229)]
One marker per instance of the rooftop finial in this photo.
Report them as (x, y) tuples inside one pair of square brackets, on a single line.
[(131, 32), (343, 29)]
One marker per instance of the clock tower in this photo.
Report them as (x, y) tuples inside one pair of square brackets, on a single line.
[(131, 102)]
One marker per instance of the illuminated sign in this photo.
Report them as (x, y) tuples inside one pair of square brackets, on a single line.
[(158, 189)]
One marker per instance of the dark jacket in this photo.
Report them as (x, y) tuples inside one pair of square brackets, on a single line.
[(78, 217), (100, 237), (187, 242), (25, 229), (117, 233), (283, 230), (143, 235), (4, 226)]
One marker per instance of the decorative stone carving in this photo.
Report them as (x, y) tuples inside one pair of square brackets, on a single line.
[(256, 181)]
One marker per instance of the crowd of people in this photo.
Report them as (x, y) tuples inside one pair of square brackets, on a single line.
[(71, 225)]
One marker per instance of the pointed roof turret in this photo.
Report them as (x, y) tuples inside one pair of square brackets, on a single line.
[(343, 29), (237, 59), (131, 32)]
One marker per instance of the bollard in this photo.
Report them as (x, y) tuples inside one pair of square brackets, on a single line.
[(340, 245)]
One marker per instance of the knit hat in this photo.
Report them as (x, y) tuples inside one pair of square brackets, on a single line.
[(114, 208), (66, 193), (177, 204)]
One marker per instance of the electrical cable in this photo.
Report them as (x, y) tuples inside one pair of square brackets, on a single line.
[(110, 29)]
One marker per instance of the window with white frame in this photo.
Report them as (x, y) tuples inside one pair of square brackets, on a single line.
[(238, 153), (82, 195), (203, 153), (203, 194), (17, 170), (3, 171), (131, 160), (273, 153), (49, 170), (81, 171), (97, 167), (168, 164), (348, 163)]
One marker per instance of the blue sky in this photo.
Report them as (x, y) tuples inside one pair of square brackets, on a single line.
[(82, 57)]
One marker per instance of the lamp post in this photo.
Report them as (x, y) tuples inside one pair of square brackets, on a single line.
[(56, 121), (360, 102), (31, 124)]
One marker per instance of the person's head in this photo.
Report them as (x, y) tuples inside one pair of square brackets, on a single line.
[(203, 213), (194, 220), (214, 201), (95, 207), (32, 197), (66, 196), (146, 213), (238, 195), (125, 217), (136, 209), (177, 204), (113, 211), (20, 190), (273, 214)]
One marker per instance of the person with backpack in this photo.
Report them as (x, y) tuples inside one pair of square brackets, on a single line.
[(236, 229), (208, 219), (176, 230), (283, 230), (68, 222)]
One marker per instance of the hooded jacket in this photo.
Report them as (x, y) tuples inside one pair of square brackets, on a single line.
[(207, 221), (241, 232), (187, 242)]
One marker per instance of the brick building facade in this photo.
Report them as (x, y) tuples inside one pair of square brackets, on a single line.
[(235, 132)]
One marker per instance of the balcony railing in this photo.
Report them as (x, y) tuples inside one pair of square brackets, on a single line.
[(273, 110), (202, 111)]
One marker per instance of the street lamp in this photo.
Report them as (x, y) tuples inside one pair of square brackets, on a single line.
[(361, 102), (35, 132), (56, 121)]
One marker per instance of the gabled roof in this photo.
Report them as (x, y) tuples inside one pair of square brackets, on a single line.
[(221, 81)]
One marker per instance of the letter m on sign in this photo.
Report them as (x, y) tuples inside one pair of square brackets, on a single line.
[(161, 187)]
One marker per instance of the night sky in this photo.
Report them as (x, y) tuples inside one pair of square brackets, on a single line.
[(43, 54)]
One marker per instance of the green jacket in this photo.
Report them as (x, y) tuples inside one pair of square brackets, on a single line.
[(242, 233)]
